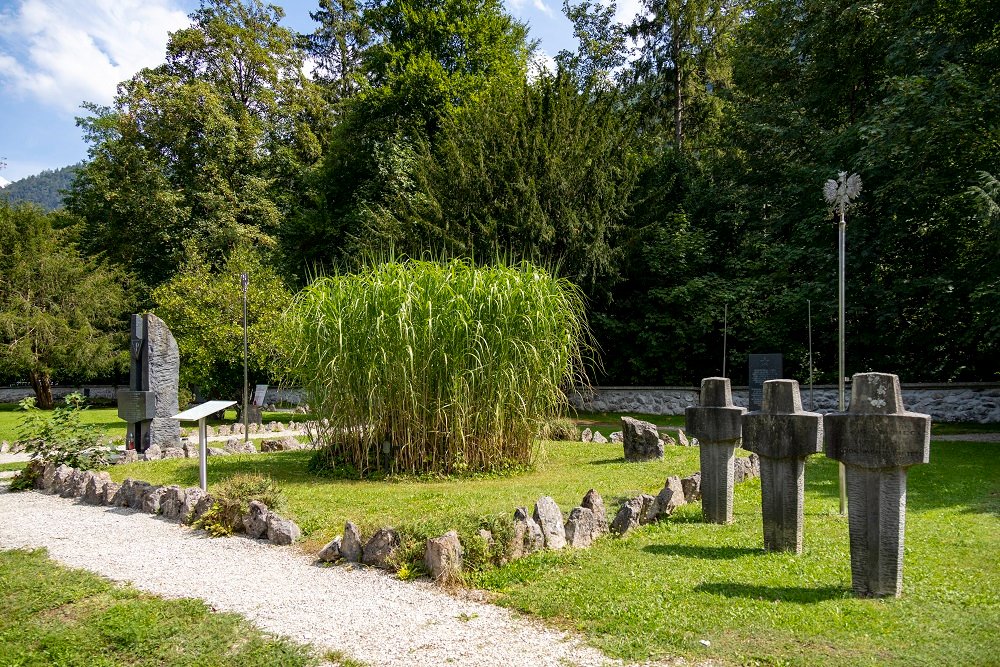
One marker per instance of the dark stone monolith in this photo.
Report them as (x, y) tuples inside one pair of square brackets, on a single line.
[(877, 441), (150, 402), (716, 424), (783, 436)]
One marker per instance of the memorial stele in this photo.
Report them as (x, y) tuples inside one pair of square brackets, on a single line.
[(150, 402)]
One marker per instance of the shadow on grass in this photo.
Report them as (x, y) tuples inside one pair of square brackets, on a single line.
[(604, 462), (783, 593), (708, 553)]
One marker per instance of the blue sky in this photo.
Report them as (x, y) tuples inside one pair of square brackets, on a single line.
[(55, 54)]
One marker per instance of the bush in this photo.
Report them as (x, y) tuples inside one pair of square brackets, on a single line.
[(560, 429), (60, 437), (421, 367), (232, 502)]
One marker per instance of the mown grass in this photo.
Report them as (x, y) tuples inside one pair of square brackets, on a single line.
[(106, 419), (53, 615), (563, 470), (659, 591)]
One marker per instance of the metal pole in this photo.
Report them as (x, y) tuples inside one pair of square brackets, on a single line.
[(812, 402), (725, 331), (202, 454), (244, 282), (841, 242)]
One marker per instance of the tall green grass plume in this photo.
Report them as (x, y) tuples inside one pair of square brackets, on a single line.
[(436, 367)]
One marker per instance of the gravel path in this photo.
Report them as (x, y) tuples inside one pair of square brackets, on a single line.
[(364, 613)]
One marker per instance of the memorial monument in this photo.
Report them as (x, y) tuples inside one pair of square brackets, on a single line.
[(150, 402), (761, 368), (783, 436), (716, 424), (877, 441)]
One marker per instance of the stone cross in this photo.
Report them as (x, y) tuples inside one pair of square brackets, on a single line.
[(150, 402), (877, 441), (716, 424), (783, 436)]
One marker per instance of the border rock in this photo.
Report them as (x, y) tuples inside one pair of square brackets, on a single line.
[(550, 519), (331, 552), (257, 520), (580, 528), (443, 557), (350, 547), (380, 548), (281, 531)]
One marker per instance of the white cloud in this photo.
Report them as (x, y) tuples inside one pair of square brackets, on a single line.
[(627, 10), (542, 7), (64, 52), (4, 182)]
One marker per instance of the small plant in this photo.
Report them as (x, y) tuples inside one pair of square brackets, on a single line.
[(61, 437), (560, 429), (27, 478), (232, 502)]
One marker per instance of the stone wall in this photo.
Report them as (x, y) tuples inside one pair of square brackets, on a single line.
[(974, 402), (978, 402)]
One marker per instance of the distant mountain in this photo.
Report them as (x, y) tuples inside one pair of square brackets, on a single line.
[(45, 189), (4, 182)]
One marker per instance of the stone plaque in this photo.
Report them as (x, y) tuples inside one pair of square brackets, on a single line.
[(136, 406), (259, 393), (763, 367)]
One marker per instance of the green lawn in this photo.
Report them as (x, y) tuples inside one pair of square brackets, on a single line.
[(659, 591), (53, 615), (107, 420)]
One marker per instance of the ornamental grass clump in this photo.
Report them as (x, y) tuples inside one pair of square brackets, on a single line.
[(421, 367)]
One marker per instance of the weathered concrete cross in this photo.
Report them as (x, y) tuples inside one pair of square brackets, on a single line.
[(783, 436), (716, 424), (877, 441)]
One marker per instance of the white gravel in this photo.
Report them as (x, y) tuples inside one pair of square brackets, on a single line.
[(364, 613)]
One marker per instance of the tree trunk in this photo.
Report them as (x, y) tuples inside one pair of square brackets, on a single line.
[(42, 384), (675, 48)]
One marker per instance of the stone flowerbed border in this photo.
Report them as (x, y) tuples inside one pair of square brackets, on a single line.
[(545, 528), (171, 502)]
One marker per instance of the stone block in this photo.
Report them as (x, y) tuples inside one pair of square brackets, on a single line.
[(351, 547), (379, 550), (580, 528), (640, 440), (549, 517), (717, 425), (256, 520), (443, 557)]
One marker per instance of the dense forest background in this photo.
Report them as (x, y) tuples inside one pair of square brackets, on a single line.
[(672, 167), (45, 190)]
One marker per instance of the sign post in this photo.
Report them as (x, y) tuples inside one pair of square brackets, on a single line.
[(198, 413)]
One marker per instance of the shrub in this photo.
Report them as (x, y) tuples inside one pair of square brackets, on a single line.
[(560, 429), (423, 367), (60, 437), (232, 502)]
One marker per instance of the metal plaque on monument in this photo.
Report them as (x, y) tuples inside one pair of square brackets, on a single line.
[(154, 378), (763, 367)]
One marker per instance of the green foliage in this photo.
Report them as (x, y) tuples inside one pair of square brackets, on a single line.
[(44, 189), (516, 174), (58, 310), (204, 310), (428, 367), (424, 62), (208, 148), (232, 502), (560, 429), (60, 437), (57, 615)]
